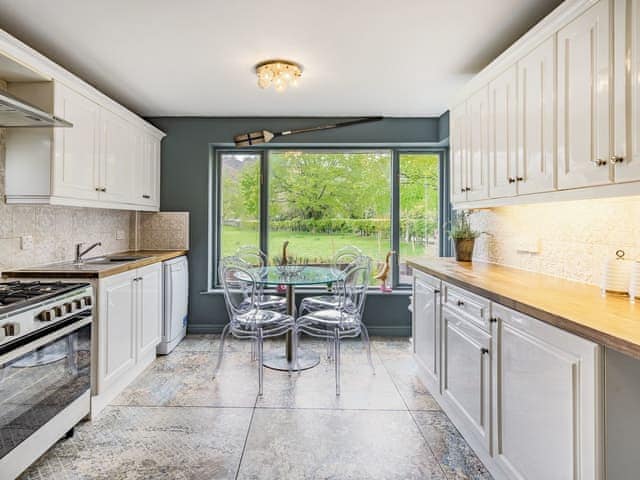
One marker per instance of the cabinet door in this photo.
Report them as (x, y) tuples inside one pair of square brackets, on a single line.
[(459, 153), (629, 168), (502, 134), (546, 400), (426, 327), (536, 119), (149, 293), (478, 135), (117, 332), (76, 155), (118, 151), (466, 369), (147, 171), (584, 99)]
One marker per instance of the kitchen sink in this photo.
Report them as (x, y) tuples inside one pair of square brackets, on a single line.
[(111, 259)]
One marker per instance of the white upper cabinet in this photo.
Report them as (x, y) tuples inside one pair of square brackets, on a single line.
[(478, 138), (118, 158), (76, 166), (627, 165), (503, 175), (584, 100), (459, 153), (147, 172), (109, 158), (536, 119), (576, 127)]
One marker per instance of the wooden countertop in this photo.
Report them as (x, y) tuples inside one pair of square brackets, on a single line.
[(578, 308), (88, 270)]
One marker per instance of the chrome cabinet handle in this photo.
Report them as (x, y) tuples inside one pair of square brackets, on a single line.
[(146, 196), (615, 159), (599, 162)]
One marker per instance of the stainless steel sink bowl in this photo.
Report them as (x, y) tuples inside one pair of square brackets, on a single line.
[(111, 259)]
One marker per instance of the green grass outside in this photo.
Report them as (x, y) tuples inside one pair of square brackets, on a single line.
[(314, 246)]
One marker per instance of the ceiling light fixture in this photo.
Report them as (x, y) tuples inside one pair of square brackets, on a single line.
[(279, 73)]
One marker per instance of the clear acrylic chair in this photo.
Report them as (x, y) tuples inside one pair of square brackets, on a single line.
[(254, 257), (342, 260), (246, 319), (344, 321)]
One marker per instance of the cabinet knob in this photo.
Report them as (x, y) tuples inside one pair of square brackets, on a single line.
[(463, 190), (436, 291), (484, 351), (520, 179), (599, 162), (615, 159), (512, 180), (493, 319), (103, 189), (460, 303), (97, 189)]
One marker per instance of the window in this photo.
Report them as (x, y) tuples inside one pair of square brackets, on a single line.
[(322, 200), (419, 185), (239, 201)]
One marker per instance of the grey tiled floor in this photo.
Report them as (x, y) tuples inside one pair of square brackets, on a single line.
[(175, 422)]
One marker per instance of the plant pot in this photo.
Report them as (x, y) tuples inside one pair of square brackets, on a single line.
[(464, 249)]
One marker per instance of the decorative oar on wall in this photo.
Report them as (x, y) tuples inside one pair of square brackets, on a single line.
[(265, 136)]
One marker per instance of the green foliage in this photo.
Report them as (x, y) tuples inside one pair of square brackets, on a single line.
[(461, 227)]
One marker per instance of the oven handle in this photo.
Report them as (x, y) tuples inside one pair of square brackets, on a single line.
[(39, 342)]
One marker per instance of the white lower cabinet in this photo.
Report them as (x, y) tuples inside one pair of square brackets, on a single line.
[(426, 327), (129, 319), (525, 395), (547, 409), (466, 370)]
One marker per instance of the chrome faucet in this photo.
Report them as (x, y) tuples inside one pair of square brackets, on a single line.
[(81, 253)]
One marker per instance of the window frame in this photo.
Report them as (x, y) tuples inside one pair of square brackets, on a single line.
[(444, 204)]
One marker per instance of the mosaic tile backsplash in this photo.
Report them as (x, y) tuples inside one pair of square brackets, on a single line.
[(572, 238), (163, 231)]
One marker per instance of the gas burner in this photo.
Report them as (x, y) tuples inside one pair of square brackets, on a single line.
[(16, 294)]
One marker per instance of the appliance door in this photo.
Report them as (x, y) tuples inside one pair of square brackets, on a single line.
[(39, 379), (176, 297)]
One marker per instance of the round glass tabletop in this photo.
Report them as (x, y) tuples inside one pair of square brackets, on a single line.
[(296, 275)]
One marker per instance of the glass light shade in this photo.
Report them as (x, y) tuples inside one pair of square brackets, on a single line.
[(280, 74)]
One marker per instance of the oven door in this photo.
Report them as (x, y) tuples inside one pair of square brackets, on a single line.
[(39, 379)]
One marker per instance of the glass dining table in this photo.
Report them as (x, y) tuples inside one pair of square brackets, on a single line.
[(290, 277)]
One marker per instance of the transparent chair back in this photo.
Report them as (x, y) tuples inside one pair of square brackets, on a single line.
[(239, 287), (355, 285), (252, 256), (345, 256)]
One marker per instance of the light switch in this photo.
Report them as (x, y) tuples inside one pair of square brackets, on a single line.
[(119, 234), (26, 242)]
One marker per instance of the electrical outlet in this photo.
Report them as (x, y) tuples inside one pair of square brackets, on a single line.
[(26, 242), (119, 234), (528, 245)]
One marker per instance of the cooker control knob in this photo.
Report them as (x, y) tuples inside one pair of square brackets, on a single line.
[(76, 304), (88, 301), (62, 310), (47, 315), (10, 329)]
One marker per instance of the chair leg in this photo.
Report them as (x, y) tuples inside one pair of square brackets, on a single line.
[(225, 331), (336, 341), (367, 344), (260, 361), (253, 349), (329, 348)]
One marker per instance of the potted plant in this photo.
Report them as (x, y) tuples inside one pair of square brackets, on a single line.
[(463, 236)]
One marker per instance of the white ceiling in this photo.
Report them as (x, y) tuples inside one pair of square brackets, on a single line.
[(196, 57)]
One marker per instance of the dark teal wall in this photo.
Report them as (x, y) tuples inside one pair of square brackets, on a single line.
[(185, 187)]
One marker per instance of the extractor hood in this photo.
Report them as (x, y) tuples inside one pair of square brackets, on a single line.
[(15, 112)]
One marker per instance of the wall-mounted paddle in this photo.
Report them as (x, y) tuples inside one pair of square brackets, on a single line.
[(265, 136)]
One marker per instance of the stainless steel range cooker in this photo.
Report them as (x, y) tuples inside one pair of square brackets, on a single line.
[(45, 367)]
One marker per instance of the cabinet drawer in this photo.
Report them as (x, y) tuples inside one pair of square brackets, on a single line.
[(470, 306), (428, 279)]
